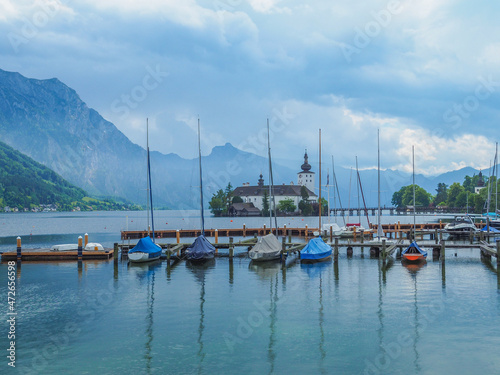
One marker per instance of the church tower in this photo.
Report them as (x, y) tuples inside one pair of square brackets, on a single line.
[(305, 177)]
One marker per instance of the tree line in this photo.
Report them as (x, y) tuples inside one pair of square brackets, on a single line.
[(461, 196)]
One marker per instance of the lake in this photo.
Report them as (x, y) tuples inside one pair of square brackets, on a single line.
[(355, 316)]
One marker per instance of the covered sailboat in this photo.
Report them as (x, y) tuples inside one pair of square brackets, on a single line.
[(414, 253), (200, 250), (267, 248), (316, 250), (145, 250)]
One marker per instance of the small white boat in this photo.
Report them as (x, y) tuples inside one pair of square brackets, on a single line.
[(145, 251), (65, 247), (348, 230), (93, 246)]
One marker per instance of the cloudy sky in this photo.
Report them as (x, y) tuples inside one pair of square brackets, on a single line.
[(424, 72)]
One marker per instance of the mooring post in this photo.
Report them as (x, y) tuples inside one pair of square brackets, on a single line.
[(178, 236), (336, 250), (284, 230), (283, 249), (244, 230), (217, 234), (471, 237), (436, 235), (354, 234), (115, 251), (231, 248), (80, 248), (86, 239), (440, 235), (331, 234), (264, 229), (19, 251), (362, 235), (306, 233), (290, 236), (443, 247), (498, 253), (169, 253)]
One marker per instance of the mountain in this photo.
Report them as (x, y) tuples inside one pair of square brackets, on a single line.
[(24, 183), (47, 120)]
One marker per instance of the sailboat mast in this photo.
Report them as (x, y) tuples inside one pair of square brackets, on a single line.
[(149, 187), (379, 227), (496, 177), (201, 182), (319, 228), (147, 173), (414, 201), (270, 174), (328, 191)]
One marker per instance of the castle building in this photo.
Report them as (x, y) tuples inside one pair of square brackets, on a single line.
[(254, 194), (480, 183)]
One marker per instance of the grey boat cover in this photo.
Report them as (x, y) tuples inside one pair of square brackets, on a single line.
[(267, 245)]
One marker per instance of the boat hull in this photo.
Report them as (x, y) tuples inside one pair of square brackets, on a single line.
[(413, 257), (263, 257), (140, 257), (317, 260)]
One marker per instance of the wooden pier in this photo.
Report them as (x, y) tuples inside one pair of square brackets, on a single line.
[(48, 255)]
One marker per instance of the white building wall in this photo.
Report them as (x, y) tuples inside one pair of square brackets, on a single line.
[(306, 179)]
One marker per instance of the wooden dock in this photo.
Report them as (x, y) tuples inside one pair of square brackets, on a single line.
[(48, 255)]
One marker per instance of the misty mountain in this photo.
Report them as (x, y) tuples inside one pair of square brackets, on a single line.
[(47, 120)]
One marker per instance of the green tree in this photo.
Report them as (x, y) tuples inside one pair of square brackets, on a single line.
[(286, 205), (397, 197), (442, 194), (218, 203), (237, 199), (304, 194), (404, 197), (305, 208), (265, 204), (453, 193)]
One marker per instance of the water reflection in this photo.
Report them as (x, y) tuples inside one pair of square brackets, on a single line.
[(489, 266), (200, 270), (145, 272)]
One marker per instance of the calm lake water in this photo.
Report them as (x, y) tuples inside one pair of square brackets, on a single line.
[(357, 316)]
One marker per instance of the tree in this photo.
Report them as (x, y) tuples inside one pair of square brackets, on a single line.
[(265, 204), (305, 208), (304, 194), (404, 197), (442, 194), (453, 193), (286, 205), (218, 203), (237, 199)]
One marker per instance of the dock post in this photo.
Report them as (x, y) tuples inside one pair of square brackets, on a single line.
[(86, 237), (178, 236), (115, 251), (354, 234), (362, 234), (306, 232), (231, 248), (169, 253), (264, 229), (336, 250), (290, 236), (440, 235), (498, 253), (436, 235), (331, 234), (80, 248), (19, 251), (244, 230), (283, 249), (217, 235), (443, 247), (471, 237), (284, 231)]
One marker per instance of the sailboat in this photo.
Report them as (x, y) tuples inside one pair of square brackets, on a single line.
[(316, 249), (146, 249), (413, 253), (380, 233), (201, 249), (268, 247), (348, 229)]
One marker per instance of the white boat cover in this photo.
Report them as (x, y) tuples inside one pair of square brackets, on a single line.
[(267, 247)]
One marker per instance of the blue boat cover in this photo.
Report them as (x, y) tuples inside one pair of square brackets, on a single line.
[(146, 245), (492, 229), (316, 249), (201, 249), (414, 245)]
